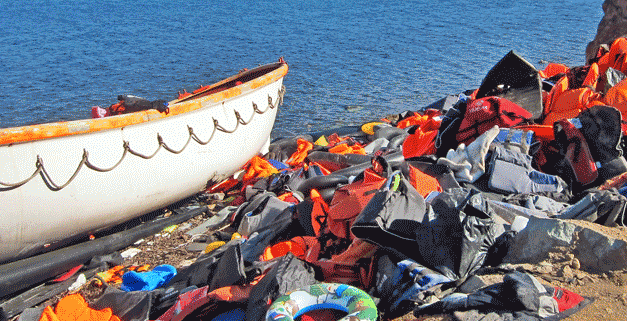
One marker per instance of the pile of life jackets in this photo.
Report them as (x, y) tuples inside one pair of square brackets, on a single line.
[(410, 207), (600, 82)]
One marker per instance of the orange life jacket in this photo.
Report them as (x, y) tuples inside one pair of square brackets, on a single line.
[(553, 69), (420, 143), (423, 182), (319, 212), (301, 152), (564, 102), (74, 308), (617, 97), (421, 140), (347, 149), (569, 104), (419, 120), (117, 108), (306, 248), (348, 201), (296, 246), (592, 77), (615, 58)]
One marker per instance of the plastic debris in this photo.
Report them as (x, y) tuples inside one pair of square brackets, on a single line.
[(130, 253)]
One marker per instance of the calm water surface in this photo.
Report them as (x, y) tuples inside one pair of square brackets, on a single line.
[(58, 59)]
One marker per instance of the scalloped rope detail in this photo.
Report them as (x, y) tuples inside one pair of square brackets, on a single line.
[(127, 149)]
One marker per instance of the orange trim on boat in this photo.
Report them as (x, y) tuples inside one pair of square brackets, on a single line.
[(227, 88)]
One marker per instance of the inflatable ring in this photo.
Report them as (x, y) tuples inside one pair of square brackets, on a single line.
[(357, 303), (368, 128)]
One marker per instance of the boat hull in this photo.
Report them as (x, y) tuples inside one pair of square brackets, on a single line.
[(106, 173)]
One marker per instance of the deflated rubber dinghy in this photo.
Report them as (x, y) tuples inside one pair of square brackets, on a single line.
[(516, 80)]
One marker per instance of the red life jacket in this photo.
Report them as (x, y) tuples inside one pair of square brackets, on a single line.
[(577, 155), (482, 114), (349, 200)]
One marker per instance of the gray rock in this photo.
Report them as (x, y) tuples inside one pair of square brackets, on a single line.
[(600, 253), (534, 242), (613, 25), (567, 272), (594, 251)]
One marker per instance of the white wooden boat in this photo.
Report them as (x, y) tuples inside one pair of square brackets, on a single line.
[(60, 180)]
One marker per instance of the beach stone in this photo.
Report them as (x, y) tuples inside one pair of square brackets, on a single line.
[(567, 272), (619, 279), (545, 269), (593, 250), (613, 25), (534, 242), (600, 253)]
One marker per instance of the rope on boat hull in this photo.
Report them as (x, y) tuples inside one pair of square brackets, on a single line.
[(41, 170)]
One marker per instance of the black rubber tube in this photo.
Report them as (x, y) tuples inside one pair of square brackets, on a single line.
[(321, 182), (388, 132), (23, 274), (394, 159), (351, 131), (327, 194), (281, 149), (397, 141)]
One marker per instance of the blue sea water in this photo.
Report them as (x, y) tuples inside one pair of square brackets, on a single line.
[(350, 61)]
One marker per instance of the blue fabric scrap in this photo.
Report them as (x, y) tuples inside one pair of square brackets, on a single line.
[(146, 281)]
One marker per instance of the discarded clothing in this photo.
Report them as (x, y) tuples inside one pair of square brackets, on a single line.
[(511, 173), (514, 139), (468, 163), (519, 297), (145, 281), (606, 207), (400, 285), (99, 112)]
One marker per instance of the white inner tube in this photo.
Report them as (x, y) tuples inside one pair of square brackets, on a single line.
[(355, 302)]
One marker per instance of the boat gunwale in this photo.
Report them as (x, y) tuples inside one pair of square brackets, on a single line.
[(276, 71)]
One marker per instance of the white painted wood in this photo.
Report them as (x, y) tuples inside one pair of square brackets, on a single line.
[(32, 215)]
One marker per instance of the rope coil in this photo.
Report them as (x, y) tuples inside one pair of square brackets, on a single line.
[(41, 170)]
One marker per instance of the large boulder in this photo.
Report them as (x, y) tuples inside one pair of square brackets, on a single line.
[(612, 26), (595, 246)]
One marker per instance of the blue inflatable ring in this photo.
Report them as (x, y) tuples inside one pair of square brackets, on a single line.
[(357, 303)]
